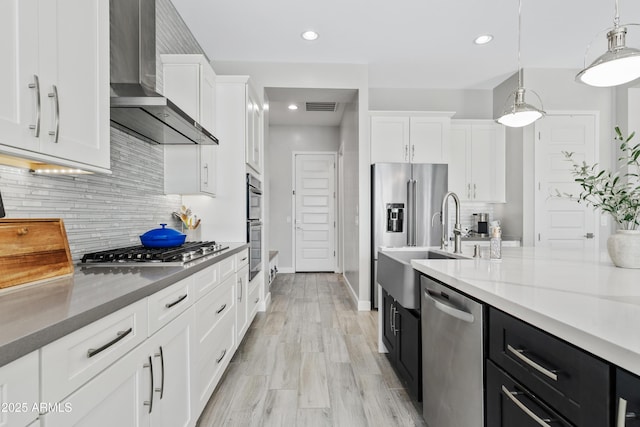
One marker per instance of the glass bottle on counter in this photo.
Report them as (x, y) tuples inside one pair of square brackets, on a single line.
[(495, 244)]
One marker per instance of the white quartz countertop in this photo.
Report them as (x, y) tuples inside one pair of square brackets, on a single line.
[(581, 298)]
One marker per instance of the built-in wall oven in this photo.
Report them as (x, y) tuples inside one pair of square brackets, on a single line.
[(254, 224)]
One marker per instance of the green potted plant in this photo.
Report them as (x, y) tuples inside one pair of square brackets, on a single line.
[(618, 194)]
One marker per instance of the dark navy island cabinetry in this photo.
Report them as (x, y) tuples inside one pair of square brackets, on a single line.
[(401, 336)]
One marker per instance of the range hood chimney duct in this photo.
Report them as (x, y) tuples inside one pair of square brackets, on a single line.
[(136, 108)]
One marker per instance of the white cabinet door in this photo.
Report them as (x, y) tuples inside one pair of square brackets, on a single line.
[(18, 70), (253, 148), (171, 352), (57, 70), (189, 81), (242, 298), (74, 62), (19, 391), (477, 161), (429, 139), (120, 396), (389, 139), (460, 161)]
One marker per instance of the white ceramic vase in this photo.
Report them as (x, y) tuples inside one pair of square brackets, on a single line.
[(624, 248)]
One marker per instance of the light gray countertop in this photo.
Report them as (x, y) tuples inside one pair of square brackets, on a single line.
[(32, 316), (580, 297)]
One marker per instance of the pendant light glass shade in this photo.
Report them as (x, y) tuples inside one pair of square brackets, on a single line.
[(518, 113), (618, 65)]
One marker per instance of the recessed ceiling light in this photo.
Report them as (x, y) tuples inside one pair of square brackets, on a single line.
[(309, 35), (483, 39), (293, 107)]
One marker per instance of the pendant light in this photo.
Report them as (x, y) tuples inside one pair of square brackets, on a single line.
[(618, 65), (519, 113)]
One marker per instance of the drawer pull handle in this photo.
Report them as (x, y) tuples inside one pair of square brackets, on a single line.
[(512, 396), (244, 259), (222, 307), (219, 359), (149, 402), (161, 388), (23, 231), (256, 301), (623, 415), (446, 307), (544, 371), (121, 334), (178, 301)]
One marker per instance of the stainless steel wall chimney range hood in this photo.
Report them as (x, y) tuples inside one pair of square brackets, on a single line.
[(136, 108)]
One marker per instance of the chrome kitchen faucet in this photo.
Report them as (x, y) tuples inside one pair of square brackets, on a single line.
[(457, 228)]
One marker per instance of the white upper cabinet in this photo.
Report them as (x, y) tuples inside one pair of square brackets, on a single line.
[(55, 82), (253, 144), (410, 137), (477, 160), (190, 82)]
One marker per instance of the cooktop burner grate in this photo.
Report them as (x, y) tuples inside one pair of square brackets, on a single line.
[(141, 254)]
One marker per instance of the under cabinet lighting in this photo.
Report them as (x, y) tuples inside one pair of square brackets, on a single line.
[(40, 168)]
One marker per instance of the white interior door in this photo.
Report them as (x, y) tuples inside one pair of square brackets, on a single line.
[(315, 205), (559, 221)]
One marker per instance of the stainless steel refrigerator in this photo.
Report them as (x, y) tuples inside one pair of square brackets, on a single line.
[(405, 208)]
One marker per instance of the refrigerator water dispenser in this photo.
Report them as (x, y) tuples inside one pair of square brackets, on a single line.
[(395, 217)]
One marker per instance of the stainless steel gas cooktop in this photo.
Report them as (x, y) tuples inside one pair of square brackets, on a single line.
[(141, 256)]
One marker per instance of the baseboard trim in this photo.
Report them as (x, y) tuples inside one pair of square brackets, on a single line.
[(285, 270), (264, 304)]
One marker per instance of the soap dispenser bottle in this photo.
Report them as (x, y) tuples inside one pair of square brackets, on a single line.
[(495, 244)]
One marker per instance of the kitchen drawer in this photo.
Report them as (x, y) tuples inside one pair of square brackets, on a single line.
[(213, 307), (573, 382), (254, 299), (167, 304), (213, 357), (72, 360), (227, 267), (510, 404), (206, 280), (242, 259)]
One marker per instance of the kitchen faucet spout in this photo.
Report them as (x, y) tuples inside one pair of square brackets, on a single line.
[(457, 228)]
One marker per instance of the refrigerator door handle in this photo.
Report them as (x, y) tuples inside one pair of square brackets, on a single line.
[(409, 214), (414, 212)]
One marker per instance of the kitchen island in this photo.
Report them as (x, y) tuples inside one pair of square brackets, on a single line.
[(583, 299)]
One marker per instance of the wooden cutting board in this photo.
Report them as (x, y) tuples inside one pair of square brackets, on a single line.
[(32, 250)]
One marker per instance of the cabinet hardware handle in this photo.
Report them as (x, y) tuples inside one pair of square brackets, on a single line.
[(206, 174), (447, 308), (394, 310), (219, 359), (474, 191), (149, 402), (512, 396), (469, 191), (244, 259), (623, 415), (222, 307), (413, 151), (256, 301), (161, 388), (178, 301), (519, 353), (121, 334), (23, 231), (36, 85), (406, 152), (240, 297), (56, 116)]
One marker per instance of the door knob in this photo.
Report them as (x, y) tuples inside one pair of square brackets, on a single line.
[(589, 235)]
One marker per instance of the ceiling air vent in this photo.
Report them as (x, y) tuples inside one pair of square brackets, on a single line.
[(322, 106)]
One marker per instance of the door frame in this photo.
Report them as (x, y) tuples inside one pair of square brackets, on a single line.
[(534, 173), (293, 204)]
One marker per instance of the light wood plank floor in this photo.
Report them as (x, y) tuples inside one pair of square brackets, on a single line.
[(311, 360)]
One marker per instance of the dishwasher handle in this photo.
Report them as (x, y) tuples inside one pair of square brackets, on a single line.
[(448, 308)]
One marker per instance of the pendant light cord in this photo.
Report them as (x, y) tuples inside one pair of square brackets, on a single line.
[(616, 19), (519, 41)]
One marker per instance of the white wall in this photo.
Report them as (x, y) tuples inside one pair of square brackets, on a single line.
[(283, 141), (468, 104)]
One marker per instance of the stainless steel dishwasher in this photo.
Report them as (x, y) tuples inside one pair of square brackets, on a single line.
[(452, 357)]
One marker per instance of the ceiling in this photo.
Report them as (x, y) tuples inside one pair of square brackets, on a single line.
[(410, 43)]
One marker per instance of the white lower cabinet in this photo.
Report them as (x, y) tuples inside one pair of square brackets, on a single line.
[(242, 302), (19, 391), (149, 386)]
